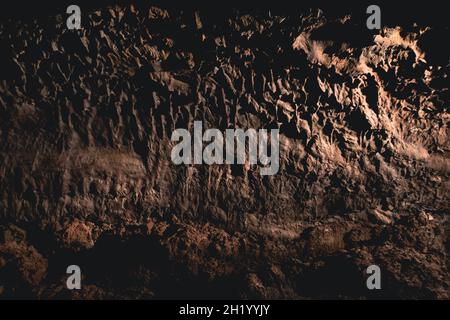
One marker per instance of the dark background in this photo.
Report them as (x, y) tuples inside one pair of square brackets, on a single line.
[(433, 12)]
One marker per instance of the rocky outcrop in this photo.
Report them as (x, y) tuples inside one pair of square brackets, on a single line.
[(85, 145)]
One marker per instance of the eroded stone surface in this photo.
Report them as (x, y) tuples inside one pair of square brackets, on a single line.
[(86, 172)]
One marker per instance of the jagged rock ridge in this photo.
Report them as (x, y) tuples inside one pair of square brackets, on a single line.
[(85, 154)]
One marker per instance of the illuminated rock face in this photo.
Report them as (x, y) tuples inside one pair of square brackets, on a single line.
[(86, 170)]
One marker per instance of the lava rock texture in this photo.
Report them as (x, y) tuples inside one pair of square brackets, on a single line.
[(86, 176)]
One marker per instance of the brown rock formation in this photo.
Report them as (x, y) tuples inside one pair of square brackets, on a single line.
[(86, 176)]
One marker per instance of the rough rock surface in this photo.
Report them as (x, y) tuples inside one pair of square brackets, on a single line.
[(86, 176)]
